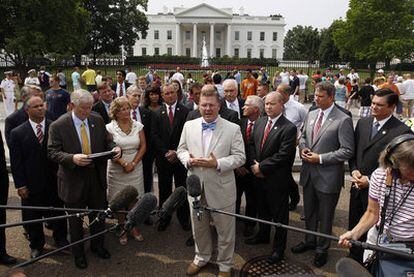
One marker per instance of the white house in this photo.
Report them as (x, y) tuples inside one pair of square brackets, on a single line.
[(236, 35)]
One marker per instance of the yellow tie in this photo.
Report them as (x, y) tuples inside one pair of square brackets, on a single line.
[(85, 142)]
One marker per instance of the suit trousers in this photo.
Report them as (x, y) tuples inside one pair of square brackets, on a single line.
[(358, 204), (147, 163), (4, 194), (225, 227), (319, 210), (95, 198), (293, 190), (245, 184)]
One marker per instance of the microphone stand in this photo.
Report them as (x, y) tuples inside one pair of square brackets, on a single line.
[(8, 225), (42, 208), (364, 245)]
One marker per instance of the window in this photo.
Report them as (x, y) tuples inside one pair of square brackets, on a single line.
[(262, 36), (187, 35), (274, 53), (156, 34), (218, 52), (143, 51), (236, 35), (169, 51), (249, 53), (188, 52), (169, 34), (249, 35), (236, 52), (218, 36), (274, 36), (261, 53), (156, 51)]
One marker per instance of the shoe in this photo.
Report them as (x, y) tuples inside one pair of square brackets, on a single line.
[(293, 205), (136, 235), (275, 257), (148, 221), (256, 240), (224, 274), (101, 253), (248, 230), (320, 259), (162, 226), (123, 240), (6, 259), (190, 241), (34, 253), (302, 247), (80, 262), (193, 269)]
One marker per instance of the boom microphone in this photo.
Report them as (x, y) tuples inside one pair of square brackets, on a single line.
[(194, 190), (175, 200), (141, 211)]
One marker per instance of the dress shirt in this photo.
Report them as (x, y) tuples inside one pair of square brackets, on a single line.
[(139, 119), (78, 122), (172, 106), (235, 107), (325, 116), (295, 112), (273, 120), (106, 105), (381, 122), (123, 89), (207, 135), (34, 126)]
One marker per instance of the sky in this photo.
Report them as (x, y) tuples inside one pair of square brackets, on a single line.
[(316, 13)]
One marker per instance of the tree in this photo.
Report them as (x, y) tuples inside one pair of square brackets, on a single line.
[(115, 23), (377, 30), (328, 52), (31, 29), (302, 43)]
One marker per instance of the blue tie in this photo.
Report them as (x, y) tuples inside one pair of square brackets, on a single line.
[(207, 126)]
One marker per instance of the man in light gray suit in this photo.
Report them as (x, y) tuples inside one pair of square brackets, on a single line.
[(327, 141), (211, 148)]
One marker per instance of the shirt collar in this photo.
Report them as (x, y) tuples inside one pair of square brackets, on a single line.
[(327, 111), (274, 119), (382, 122), (172, 106), (78, 121), (34, 124)]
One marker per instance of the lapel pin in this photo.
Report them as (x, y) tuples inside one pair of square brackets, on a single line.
[(275, 128), (92, 125), (178, 109), (163, 112), (384, 132)]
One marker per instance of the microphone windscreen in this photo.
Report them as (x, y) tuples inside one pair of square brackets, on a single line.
[(123, 198), (142, 209), (346, 267), (193, 186), (176, 199)]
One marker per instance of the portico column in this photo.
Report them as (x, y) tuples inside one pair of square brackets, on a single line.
[(195, 40), (212, 40), (177, 39), (228, 40)]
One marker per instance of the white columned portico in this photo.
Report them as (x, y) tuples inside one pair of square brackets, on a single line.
[(212, 40), (177, 39), (228, 47), (195, 40)]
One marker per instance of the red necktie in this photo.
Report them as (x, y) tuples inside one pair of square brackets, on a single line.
[(249, 130), (134, 115), (39, 133), (317, 126), (170, 115), (121, 89), (266, 134)]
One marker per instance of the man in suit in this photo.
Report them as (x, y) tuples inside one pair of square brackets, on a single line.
[(120, 86), (106, 95), (273, 147), (81, 180), (35, 176), (212, 148), (372, 135), (231, 100), (194, 92), (168, 123), (327, 141), (252, 109)]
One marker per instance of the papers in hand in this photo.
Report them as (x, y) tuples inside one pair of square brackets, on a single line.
[(106, 154)]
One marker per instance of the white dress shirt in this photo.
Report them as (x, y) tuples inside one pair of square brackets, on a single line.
[(234, 106), (34, 126)]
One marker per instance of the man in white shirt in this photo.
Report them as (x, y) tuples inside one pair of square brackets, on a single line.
[(7, 87), (303, 78), (353, 76), (230, 97), (178, 76), (131, 77), (408, 97), (284, 75)]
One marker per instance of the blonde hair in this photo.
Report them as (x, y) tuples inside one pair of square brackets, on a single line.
[(117, 105)]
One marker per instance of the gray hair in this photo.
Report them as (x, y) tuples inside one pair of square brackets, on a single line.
[(257, 102), (81, 96), (232, 81), (279, 97), (24, 91), (132, 89)]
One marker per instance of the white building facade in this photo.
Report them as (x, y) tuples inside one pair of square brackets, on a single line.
[(235, 35)]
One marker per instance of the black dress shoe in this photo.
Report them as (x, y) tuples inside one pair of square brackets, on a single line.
[(34, 253), (148, 221), (275, 257), (101, 253), (190, 241), (162, 226), (6, 259), (320, 259), (248, 230), (256, 240), (80, 262), (302, 247)]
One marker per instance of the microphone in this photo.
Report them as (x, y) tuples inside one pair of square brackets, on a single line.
[(120, 201), (194, 190), (348, 267), (175, 200), (140, 212)]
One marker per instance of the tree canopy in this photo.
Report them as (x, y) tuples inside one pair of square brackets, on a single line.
[(302, 43), (328, 52)]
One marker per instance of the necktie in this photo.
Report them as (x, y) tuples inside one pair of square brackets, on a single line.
[(134, 115), (317, 126), (85, 142), (249, 130), (207, 126), (170, 115), (121, 89), (39, 133), (375, 129), (266, 134)]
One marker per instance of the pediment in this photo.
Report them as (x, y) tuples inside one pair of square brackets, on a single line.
[(203, 10)]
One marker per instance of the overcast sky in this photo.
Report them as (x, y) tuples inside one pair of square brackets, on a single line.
[(317, 13)]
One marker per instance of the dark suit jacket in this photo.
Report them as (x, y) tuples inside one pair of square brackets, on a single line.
[(115, 85), (4, 181), (146, 117), (190, 105), (243, 128), (241, 104), (278, 153), (30, 165), (225, 113), (367, 151), (63, 143), (99, 107)]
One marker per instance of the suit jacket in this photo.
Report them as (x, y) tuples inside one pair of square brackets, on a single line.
[(64, 142), (190, 105), (99, 107), (241, 104), (30, 166), (115, 85), (348, 113), (227, 146), (224, 112), (4, 180), (367, 151), (278, 153), (146, 118), (335, 143)]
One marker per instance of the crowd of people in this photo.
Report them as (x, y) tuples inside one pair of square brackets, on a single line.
[(239, 136)]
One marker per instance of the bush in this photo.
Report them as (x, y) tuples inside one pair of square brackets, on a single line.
[(402, 67)]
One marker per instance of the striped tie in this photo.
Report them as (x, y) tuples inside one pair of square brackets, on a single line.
[(266, 134), (39, 133)]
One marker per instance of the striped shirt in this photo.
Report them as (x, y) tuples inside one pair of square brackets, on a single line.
[(402, 224)]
